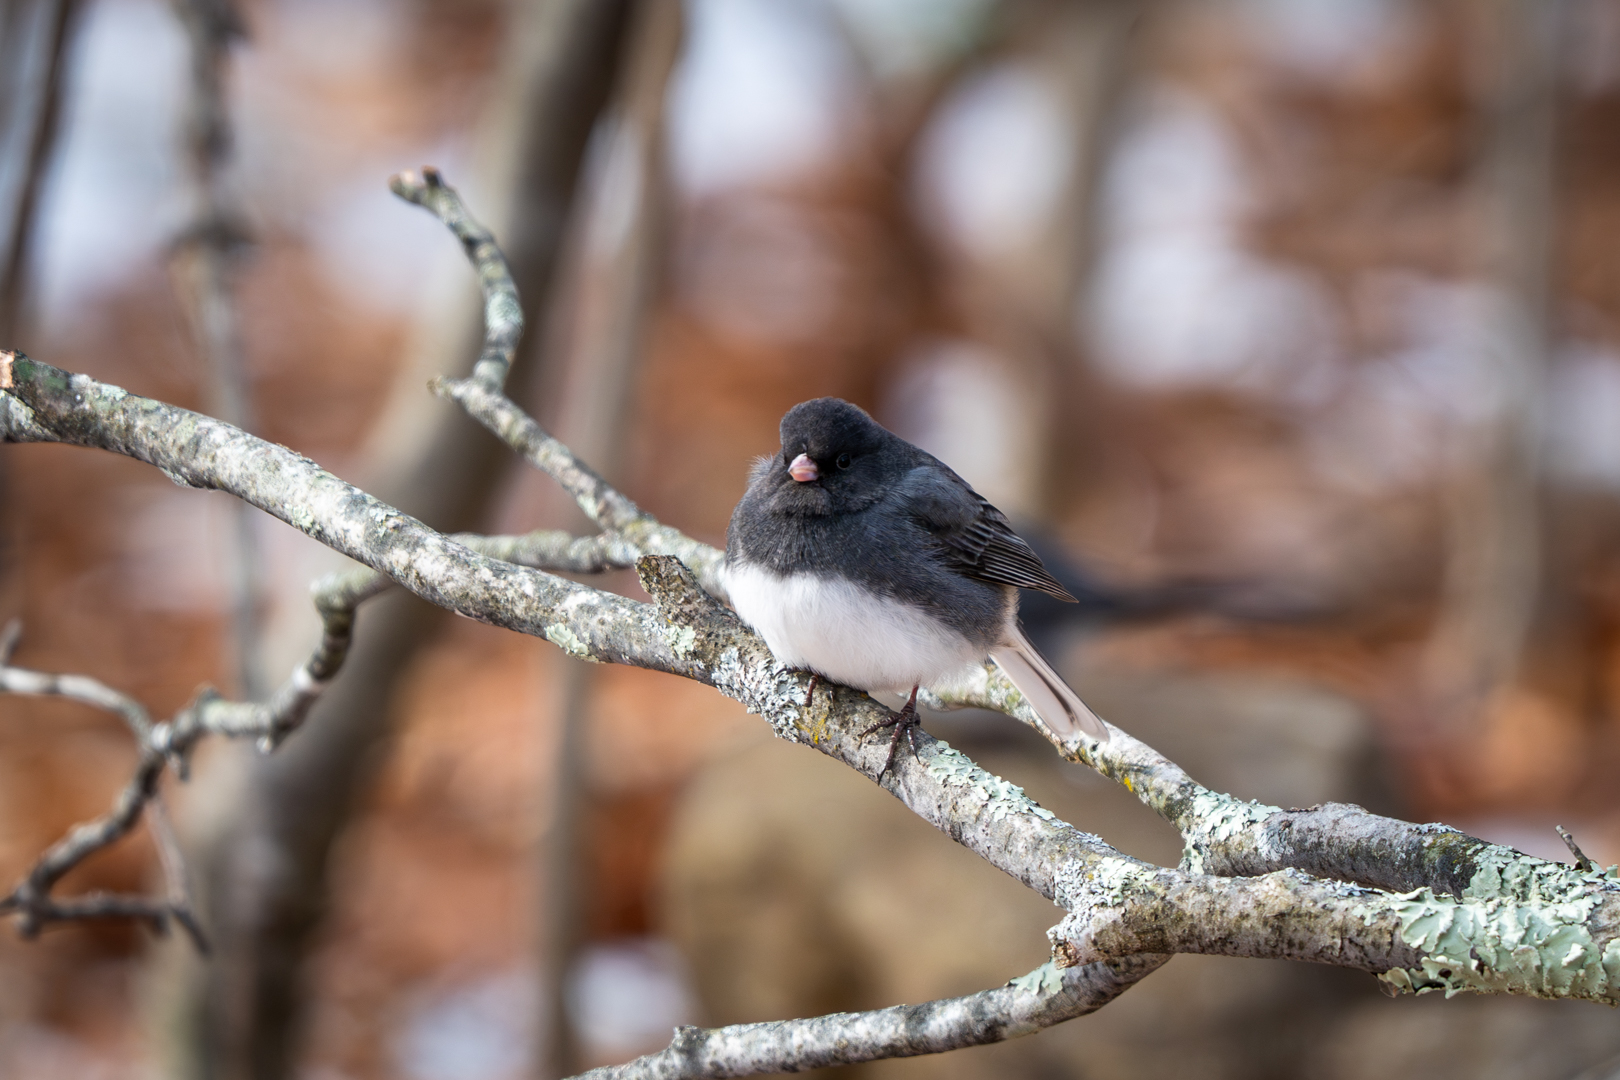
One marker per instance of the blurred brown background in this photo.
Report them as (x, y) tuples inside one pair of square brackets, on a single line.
[(1291, 326)]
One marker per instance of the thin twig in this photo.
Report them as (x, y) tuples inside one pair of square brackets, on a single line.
[(503, 313), (1581, 861), (14, 680), (485, 400), (174, 871), (336, 598)]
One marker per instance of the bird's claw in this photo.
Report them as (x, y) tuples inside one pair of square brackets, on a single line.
[(904, 722)]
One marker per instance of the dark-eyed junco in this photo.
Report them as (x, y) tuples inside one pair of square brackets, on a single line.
[(866, 561)]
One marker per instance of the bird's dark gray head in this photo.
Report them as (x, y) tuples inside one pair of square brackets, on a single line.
[(835, 459)]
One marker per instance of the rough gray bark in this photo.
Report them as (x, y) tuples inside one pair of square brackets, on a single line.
[(1423, 907)]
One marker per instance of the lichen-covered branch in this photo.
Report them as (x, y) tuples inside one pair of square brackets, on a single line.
[(1235, 838), (1520, 925), (503, 313), (201, 452), (1046, 996)]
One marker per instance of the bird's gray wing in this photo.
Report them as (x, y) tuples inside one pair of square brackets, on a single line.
[(974, 537)]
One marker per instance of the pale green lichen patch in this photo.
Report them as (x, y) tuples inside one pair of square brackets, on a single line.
[(1503, 872), (17, 420), (1217, 819), (1044, 981), (1108, 880), (683, 641), (1101, 883), (1520, 927), (560, 635), (1611, 966), (503, 308), (1000, 799)]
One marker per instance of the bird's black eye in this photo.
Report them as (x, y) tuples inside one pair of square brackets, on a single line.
[(843, 461)]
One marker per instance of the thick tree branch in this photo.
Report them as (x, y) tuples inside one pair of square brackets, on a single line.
[(198, 451)]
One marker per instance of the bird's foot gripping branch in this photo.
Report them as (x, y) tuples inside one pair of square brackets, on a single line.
[(1423, 907)]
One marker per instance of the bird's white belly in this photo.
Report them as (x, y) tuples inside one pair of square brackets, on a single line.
[(850, 635)]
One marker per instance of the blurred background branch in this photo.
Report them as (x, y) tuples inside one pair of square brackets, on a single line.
[(35, 37)]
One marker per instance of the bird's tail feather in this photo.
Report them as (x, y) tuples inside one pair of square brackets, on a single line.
[(1059, 707)]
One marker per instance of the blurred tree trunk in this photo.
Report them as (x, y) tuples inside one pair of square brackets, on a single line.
[(206, 256), (31, 94), (622, 248), (265, 880), (1087, 51), (1494, 527), (35, 38)]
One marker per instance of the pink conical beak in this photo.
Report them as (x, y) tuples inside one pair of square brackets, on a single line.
[(803, 469)]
